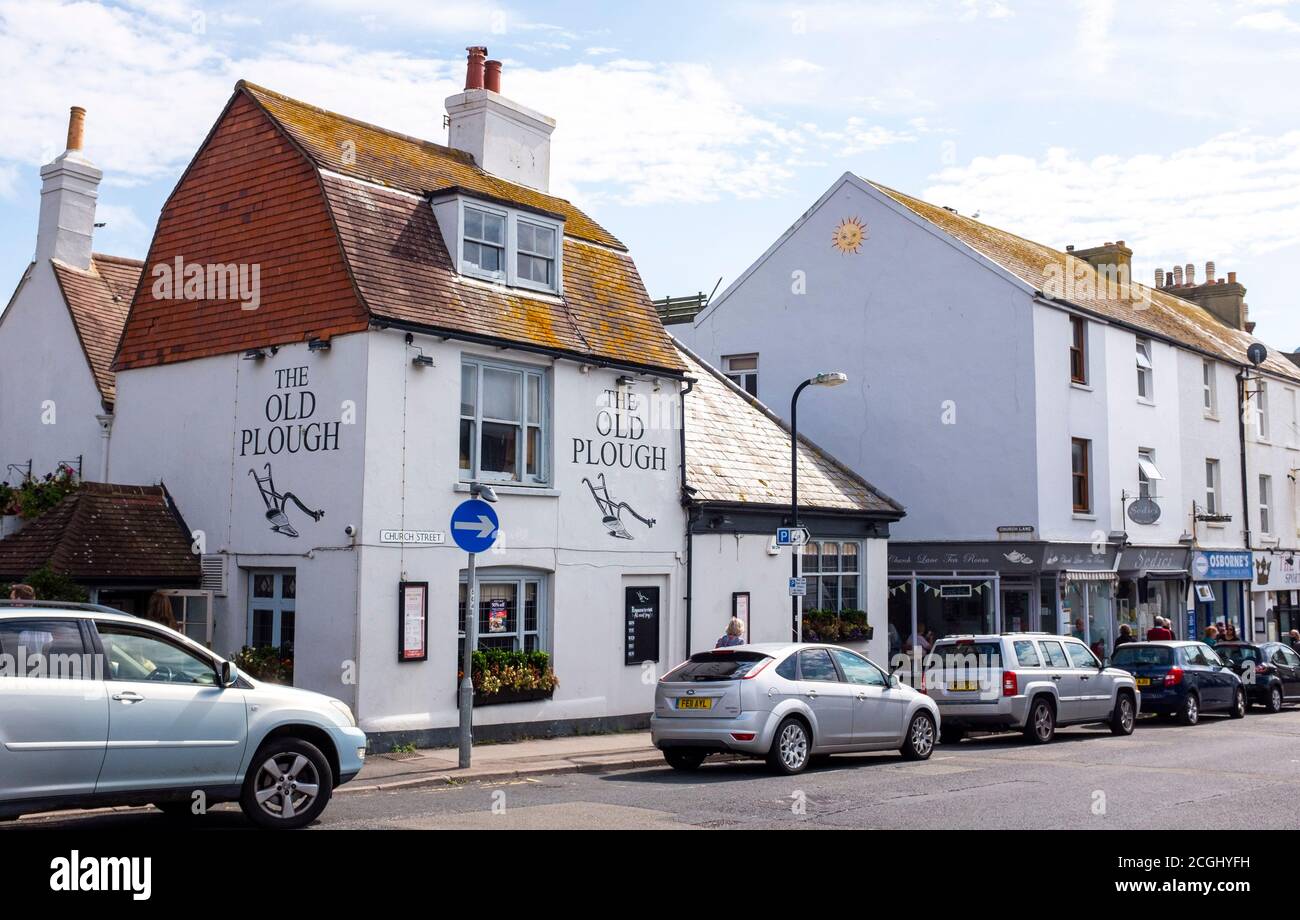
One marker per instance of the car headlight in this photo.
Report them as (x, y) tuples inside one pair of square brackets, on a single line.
[(345, 711)]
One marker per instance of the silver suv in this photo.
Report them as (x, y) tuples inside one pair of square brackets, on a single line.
[(1030, 682)]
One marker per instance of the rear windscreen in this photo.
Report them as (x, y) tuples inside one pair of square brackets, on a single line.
[(1131, 656), (708, 666), (1238, 653), (966, 655)]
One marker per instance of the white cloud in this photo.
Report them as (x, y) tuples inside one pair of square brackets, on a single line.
[(799, 66), (8, 181), (1270, 21), (600, 51), (1096, 34), (1234, 196)]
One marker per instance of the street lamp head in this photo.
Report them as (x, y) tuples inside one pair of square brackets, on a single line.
[(833, 379), (486, 493)]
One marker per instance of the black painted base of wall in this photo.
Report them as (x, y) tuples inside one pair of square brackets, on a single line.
[(382, 742)]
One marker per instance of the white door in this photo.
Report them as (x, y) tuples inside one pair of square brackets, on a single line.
[(169, 724), (53, 711)]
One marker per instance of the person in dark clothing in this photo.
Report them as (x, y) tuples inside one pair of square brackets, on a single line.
[(1125, 635)]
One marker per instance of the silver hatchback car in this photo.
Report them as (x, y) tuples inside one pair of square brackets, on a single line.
[(787, 702)]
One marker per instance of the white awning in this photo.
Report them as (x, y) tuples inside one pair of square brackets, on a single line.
[(1149, 469)]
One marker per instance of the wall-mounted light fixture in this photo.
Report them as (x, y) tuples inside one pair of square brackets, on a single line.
[(254, 354), (422, 360), (318, 345), (625, 381)]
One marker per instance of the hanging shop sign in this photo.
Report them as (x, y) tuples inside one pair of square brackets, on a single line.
[(1276, 571), (413, 621), (641, 617), (1223, 565), (1144, 511)]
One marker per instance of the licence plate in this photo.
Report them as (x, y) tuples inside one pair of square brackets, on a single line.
[(964, 685), (1144, 682), (695, 702)]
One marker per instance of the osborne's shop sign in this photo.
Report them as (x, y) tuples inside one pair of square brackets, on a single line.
[(290, 426), (621, 430)]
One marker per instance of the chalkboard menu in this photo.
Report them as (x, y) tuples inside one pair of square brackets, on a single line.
[(641, 611)]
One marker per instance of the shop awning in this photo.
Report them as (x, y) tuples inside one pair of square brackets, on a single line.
[(1069, 575)]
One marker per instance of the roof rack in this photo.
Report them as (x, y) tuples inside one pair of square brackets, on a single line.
[(60, 605)]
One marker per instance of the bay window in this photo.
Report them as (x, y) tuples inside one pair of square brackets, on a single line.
[(834, 575), (511, 611)]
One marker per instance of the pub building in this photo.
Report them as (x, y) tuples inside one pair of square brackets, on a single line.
[(428, 320)]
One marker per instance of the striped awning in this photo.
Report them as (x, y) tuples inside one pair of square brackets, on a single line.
[(1088, 576)]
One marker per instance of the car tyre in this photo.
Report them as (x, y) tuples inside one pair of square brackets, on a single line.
[(1238, 710), (1041, 725), (791, 747), (684, 759), (288, 785), (1124, 716), (1275, 699), (1190, 714), (919, 741)]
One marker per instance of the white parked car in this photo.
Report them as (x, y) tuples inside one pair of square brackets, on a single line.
[(101, 708), (787, 702)]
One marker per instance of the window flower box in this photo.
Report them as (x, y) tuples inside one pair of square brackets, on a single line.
[(502, 677), (511, 696), (845, 627)]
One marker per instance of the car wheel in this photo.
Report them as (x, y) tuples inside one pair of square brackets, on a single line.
[(1238, 710), (288, 784), (684, 759), (791, 747), (1275, 699), (1121, 720), (951, 735), (919, 743), (1191, 711), (1041, 727)]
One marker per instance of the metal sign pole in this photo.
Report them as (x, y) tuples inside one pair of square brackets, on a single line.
[(467, 667)]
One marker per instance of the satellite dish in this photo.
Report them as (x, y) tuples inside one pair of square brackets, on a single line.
[(1257, 354)]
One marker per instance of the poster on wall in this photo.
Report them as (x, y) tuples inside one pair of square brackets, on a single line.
[(498, 614), (413, 621), (740, 608), (641, 613)]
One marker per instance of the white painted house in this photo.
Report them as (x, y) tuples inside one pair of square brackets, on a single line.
[(1024, 401), (70, 302)]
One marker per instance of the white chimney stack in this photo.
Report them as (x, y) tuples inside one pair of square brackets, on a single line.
[(504, 138), (69, 190)]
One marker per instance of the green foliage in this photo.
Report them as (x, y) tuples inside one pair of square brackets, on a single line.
[(830, 626), (266, 663), (51, 586), (497, 670), (34, 497)]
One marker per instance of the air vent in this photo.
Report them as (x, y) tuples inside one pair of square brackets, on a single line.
[(214, 574)]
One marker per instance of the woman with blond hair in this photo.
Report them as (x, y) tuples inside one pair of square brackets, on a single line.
[(160, 610), (735, 634)]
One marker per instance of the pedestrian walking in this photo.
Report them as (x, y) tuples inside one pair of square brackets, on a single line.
[(1160, 632), (1125, 635), (1211, 637), (735, 634)]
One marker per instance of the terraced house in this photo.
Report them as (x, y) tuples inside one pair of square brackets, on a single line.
[(1078, 451)]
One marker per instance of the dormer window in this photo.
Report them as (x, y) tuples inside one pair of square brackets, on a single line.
[(502, 244)]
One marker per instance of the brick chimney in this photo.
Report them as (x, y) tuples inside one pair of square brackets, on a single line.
[(504, 137), (1224, 299), (1112, 260), (69, 190)]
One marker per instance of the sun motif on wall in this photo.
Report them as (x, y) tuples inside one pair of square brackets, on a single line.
[(849, 235)]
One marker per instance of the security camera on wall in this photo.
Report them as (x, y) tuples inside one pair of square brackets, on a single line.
[(350, 530)]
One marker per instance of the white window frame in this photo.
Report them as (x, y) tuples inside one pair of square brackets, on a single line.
[(1209, 388), (1145, 373), (520, 578), (1294, 426), (527, 372), (1261, 411), (510, 275), (1148, 473), (739, 377), (841, 574), (1211, 486), (1265, 504)]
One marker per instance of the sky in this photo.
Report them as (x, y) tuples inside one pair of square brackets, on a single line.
[(699, 132)]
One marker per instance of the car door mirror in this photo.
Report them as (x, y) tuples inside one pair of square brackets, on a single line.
[(894, 681), (229, 674)]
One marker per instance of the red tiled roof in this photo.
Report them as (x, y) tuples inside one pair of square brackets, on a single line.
[(342, 240), (99, 300), (105, 534)]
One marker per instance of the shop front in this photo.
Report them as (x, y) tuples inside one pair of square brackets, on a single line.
[(943, 589), (1221, 581), (1275, 595), (1153, 581)]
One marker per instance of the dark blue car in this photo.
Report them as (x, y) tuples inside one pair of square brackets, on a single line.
[(1182, 679)]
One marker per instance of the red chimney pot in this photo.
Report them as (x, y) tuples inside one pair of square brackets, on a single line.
[(492, 76), (474, 69)]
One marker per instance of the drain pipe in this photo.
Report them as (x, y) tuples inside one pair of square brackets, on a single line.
[(1247, 618), (688, 505)]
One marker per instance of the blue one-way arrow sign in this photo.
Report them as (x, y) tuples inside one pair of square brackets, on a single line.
[(474, 526)]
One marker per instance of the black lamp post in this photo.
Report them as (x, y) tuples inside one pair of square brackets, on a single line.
[(833, 379)]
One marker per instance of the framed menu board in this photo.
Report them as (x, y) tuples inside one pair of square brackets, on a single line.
[(641, 616), (413, 621)]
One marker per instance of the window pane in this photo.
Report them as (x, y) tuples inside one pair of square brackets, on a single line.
[(530, 606), (849, 593), (810, 557), (264, 585), (534, 450), (828, 597), (26, 642), (534, 399), (138, 657), (473, 224), (534, 269), (500, 449), (468, 389), (494, 229), (289, 586), (466, 445), (849, 557), (815, 664), (501, 394), (263, 628), (536, 239), (286, 628), (830, 557), (498, 609)]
